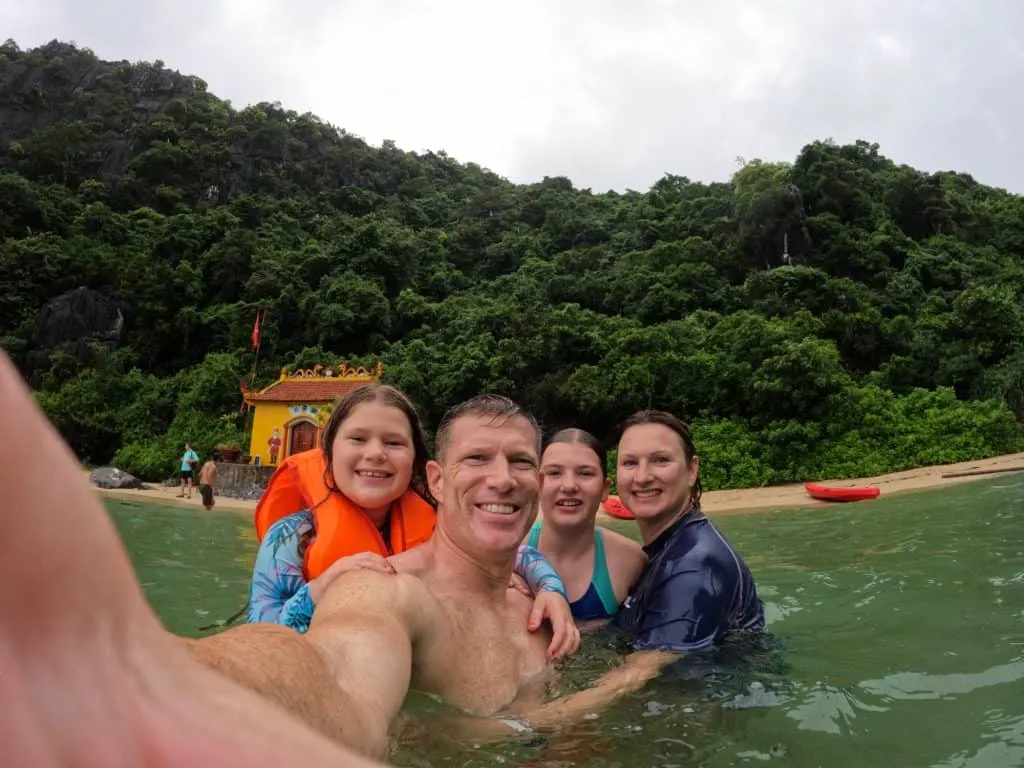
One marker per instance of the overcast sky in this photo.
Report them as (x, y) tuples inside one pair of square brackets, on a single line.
[(612, 94)]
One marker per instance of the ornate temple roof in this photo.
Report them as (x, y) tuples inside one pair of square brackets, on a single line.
[(320, 384)]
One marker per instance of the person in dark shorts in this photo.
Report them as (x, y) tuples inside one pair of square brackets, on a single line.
[(189, 462), (207, 479)]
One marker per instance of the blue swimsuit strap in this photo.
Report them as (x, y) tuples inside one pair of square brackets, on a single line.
[(601, 579), (533, 539)]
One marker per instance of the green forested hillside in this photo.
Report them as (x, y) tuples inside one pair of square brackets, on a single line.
[(895, 336)]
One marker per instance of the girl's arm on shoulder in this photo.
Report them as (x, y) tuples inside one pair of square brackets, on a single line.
[(279, 593), (626, 561), (538, 573)]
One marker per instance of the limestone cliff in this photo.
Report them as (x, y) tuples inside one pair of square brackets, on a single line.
[(60, 94)]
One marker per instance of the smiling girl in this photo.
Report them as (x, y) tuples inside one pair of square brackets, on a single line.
[(597, 565)]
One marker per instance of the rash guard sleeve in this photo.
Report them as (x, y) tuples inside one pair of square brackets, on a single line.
[(278, 593), (539, 574)]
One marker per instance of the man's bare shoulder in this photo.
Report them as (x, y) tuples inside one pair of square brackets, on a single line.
[(362, 589), (387, 608)]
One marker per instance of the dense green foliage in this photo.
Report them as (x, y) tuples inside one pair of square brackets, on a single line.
[(894, 338)]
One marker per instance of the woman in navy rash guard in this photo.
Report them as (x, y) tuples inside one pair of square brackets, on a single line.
[(695, 588)]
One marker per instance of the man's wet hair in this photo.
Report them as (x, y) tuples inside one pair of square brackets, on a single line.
[(498, 408)]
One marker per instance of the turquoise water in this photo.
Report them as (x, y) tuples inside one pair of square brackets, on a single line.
[(898, 628)]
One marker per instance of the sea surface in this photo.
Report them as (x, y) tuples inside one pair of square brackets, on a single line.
[(895, 638)]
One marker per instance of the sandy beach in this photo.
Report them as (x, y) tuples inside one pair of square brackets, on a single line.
[(714, 502)]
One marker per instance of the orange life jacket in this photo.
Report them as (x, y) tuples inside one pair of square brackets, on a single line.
[(340, 527)]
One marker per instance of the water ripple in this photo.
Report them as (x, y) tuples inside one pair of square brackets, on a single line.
[(909, 686), (830, 710), (1005, 747)]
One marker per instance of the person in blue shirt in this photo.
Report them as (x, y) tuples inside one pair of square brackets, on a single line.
[(696, 588), (189, 462)]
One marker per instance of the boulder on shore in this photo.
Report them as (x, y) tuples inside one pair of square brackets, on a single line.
[(112, 477)]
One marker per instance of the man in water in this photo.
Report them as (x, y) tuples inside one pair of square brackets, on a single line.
[(446, 624), (90, 676)]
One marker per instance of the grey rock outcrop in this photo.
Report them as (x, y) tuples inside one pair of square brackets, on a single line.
[(112, 477), (62, 86), (72, 322)]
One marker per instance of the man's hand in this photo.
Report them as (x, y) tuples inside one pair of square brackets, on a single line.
[(367, 561), (565, 635)]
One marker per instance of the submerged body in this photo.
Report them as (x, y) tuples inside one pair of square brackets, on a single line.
[(474, 649), (350, 673), (695, 590), (444, 623)]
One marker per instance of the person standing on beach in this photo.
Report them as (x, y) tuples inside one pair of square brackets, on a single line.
[(207, 477), (189, 462)]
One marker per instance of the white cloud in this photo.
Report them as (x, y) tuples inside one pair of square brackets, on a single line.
[(608, 93)]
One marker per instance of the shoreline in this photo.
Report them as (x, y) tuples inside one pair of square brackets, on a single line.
[(737, 501), (794, 496)]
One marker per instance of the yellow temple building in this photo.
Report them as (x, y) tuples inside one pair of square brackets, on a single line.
[(289, 415)]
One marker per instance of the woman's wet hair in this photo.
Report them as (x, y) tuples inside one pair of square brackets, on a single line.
[(581, 437), (677, 425), (385, 394)]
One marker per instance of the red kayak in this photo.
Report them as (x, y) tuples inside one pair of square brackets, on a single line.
[(617, 509), (828, 493)]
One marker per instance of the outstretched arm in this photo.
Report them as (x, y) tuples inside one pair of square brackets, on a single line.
[(629, 677), (87, 668), (681, 615), (348, 675)]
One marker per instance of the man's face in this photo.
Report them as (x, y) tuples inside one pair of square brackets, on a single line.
[(488, 483)]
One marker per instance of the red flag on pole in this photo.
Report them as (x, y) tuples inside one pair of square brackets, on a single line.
[(256, 330)]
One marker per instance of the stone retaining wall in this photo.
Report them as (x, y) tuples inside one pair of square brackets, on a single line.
[(242, 481)]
